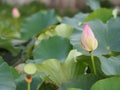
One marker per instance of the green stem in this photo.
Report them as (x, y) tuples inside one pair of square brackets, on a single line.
[(93, 63), (28, 86)]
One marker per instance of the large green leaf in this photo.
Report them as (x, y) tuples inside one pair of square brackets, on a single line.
[(37, 22), (114, 34), (106, 34), (76, 21), (48, 36), (110, 66), (112, 83), (94, 4), (8, 33), (57, 72), (84, 82), (7, 45), (1, 60), (6, 79), (14, 72), (53, 48), (102, 14)]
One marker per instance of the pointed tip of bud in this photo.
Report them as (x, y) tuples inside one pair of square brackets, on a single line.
[(88, 40), (87, 30), (86, 25)]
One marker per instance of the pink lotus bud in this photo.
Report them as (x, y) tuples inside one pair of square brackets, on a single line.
[(15, 13), (88, 40)]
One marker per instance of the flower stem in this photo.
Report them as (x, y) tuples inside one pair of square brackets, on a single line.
[(93, 63), (28, 86)]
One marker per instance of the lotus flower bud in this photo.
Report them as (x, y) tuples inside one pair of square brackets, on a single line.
[(15, 13), (88, 40)]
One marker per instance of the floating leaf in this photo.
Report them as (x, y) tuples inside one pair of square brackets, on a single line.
[(8, 32), (114, 34), (94, 4), (107, 84), (58, 72), (110, 66), (102, 14), (53, 48), (76, 21), (84, 82), (7, 45), (37, 22), (6, 79)]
